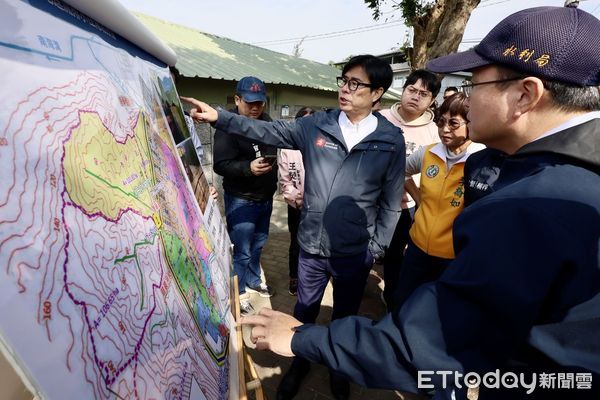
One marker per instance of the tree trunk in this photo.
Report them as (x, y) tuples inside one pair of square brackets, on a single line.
[(440, 30)]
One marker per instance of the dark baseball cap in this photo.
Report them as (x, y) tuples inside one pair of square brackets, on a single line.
[(554, 43), (251, 89)]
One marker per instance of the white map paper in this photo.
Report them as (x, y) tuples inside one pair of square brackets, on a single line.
[(110, 285)]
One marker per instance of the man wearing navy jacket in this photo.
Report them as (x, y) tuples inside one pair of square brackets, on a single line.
[(518, 311), (354, 162)]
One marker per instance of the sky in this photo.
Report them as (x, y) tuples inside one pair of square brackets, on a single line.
[(333, 29)]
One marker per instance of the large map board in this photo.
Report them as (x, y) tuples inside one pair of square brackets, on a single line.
[(110, 285)]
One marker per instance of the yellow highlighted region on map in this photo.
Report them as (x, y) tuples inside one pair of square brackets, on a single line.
[(157, 220), (203, 234), (105, 176)]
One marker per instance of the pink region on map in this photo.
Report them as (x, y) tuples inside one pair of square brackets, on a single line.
[(186, 203)]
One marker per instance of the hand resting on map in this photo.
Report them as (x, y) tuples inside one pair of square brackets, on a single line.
[(272, 330)]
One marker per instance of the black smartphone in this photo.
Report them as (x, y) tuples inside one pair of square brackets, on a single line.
[(270, 158)]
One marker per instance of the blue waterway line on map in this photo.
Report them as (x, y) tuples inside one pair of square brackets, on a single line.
[(43, 53), (72, 56)]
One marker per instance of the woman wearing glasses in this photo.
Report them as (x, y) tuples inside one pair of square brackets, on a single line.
[(439, 198)]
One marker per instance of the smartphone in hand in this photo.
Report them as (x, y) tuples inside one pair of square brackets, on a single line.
[(270, 159)]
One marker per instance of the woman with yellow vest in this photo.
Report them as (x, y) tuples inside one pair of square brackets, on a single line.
[(439, 198)]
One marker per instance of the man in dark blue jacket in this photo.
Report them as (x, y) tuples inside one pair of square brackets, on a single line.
[(517, 313), (354, 162)]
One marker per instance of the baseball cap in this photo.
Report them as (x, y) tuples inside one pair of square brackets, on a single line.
[(251, 89), (554, 43)]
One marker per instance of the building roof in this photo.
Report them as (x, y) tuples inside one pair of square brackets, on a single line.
[(204, 55)]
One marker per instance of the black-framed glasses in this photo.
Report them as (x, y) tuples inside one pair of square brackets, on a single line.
[(353, 84), (423, 94), (452, 123), (467, 88)]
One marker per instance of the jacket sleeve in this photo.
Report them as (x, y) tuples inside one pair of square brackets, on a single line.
[(195, 137), (226, 152), (482, 310), (414, 162), (281, 134), (389, 204), (290, 192)]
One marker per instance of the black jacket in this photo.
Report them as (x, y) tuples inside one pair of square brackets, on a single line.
[(232, 155), (481, 172)]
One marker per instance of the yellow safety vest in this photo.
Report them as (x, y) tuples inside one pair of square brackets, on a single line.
[(441, 201)]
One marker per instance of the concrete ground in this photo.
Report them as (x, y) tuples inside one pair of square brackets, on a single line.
[(271, 367)]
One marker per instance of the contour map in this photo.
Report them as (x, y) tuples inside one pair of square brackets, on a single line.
[(110, 287)]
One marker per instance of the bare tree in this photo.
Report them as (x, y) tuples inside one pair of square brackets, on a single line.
[(438, 25), (297, 51)]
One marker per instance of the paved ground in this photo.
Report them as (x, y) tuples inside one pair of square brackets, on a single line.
[(271, 367)]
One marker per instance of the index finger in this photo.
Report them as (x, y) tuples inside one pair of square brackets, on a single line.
[(253, 320), (191, 100)]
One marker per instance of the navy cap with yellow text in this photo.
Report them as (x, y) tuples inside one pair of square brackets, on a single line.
[(554, 43)]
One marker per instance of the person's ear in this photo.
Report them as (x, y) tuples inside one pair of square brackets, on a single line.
[(237, 100), (529, 95), (376, 94)]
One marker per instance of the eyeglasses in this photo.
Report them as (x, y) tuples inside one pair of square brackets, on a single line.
[(423, 94), (353, 84), (468, 87), (452, 123)]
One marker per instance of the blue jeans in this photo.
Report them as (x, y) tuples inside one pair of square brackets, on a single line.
[(248, 228)]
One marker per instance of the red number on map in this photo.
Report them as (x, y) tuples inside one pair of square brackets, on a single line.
[(3, 141), (53, 180), (47, 310), (122, 326), (57, 224)]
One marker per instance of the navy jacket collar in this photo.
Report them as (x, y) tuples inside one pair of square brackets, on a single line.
[(385, 131)]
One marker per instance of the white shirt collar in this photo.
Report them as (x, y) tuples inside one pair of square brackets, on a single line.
[(354, 133), (580, 119)]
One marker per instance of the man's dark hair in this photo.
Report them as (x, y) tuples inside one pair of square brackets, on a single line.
[(430, 81), (566, 97), (304, 111), (574, 98), (379, 72), (451, 89)]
